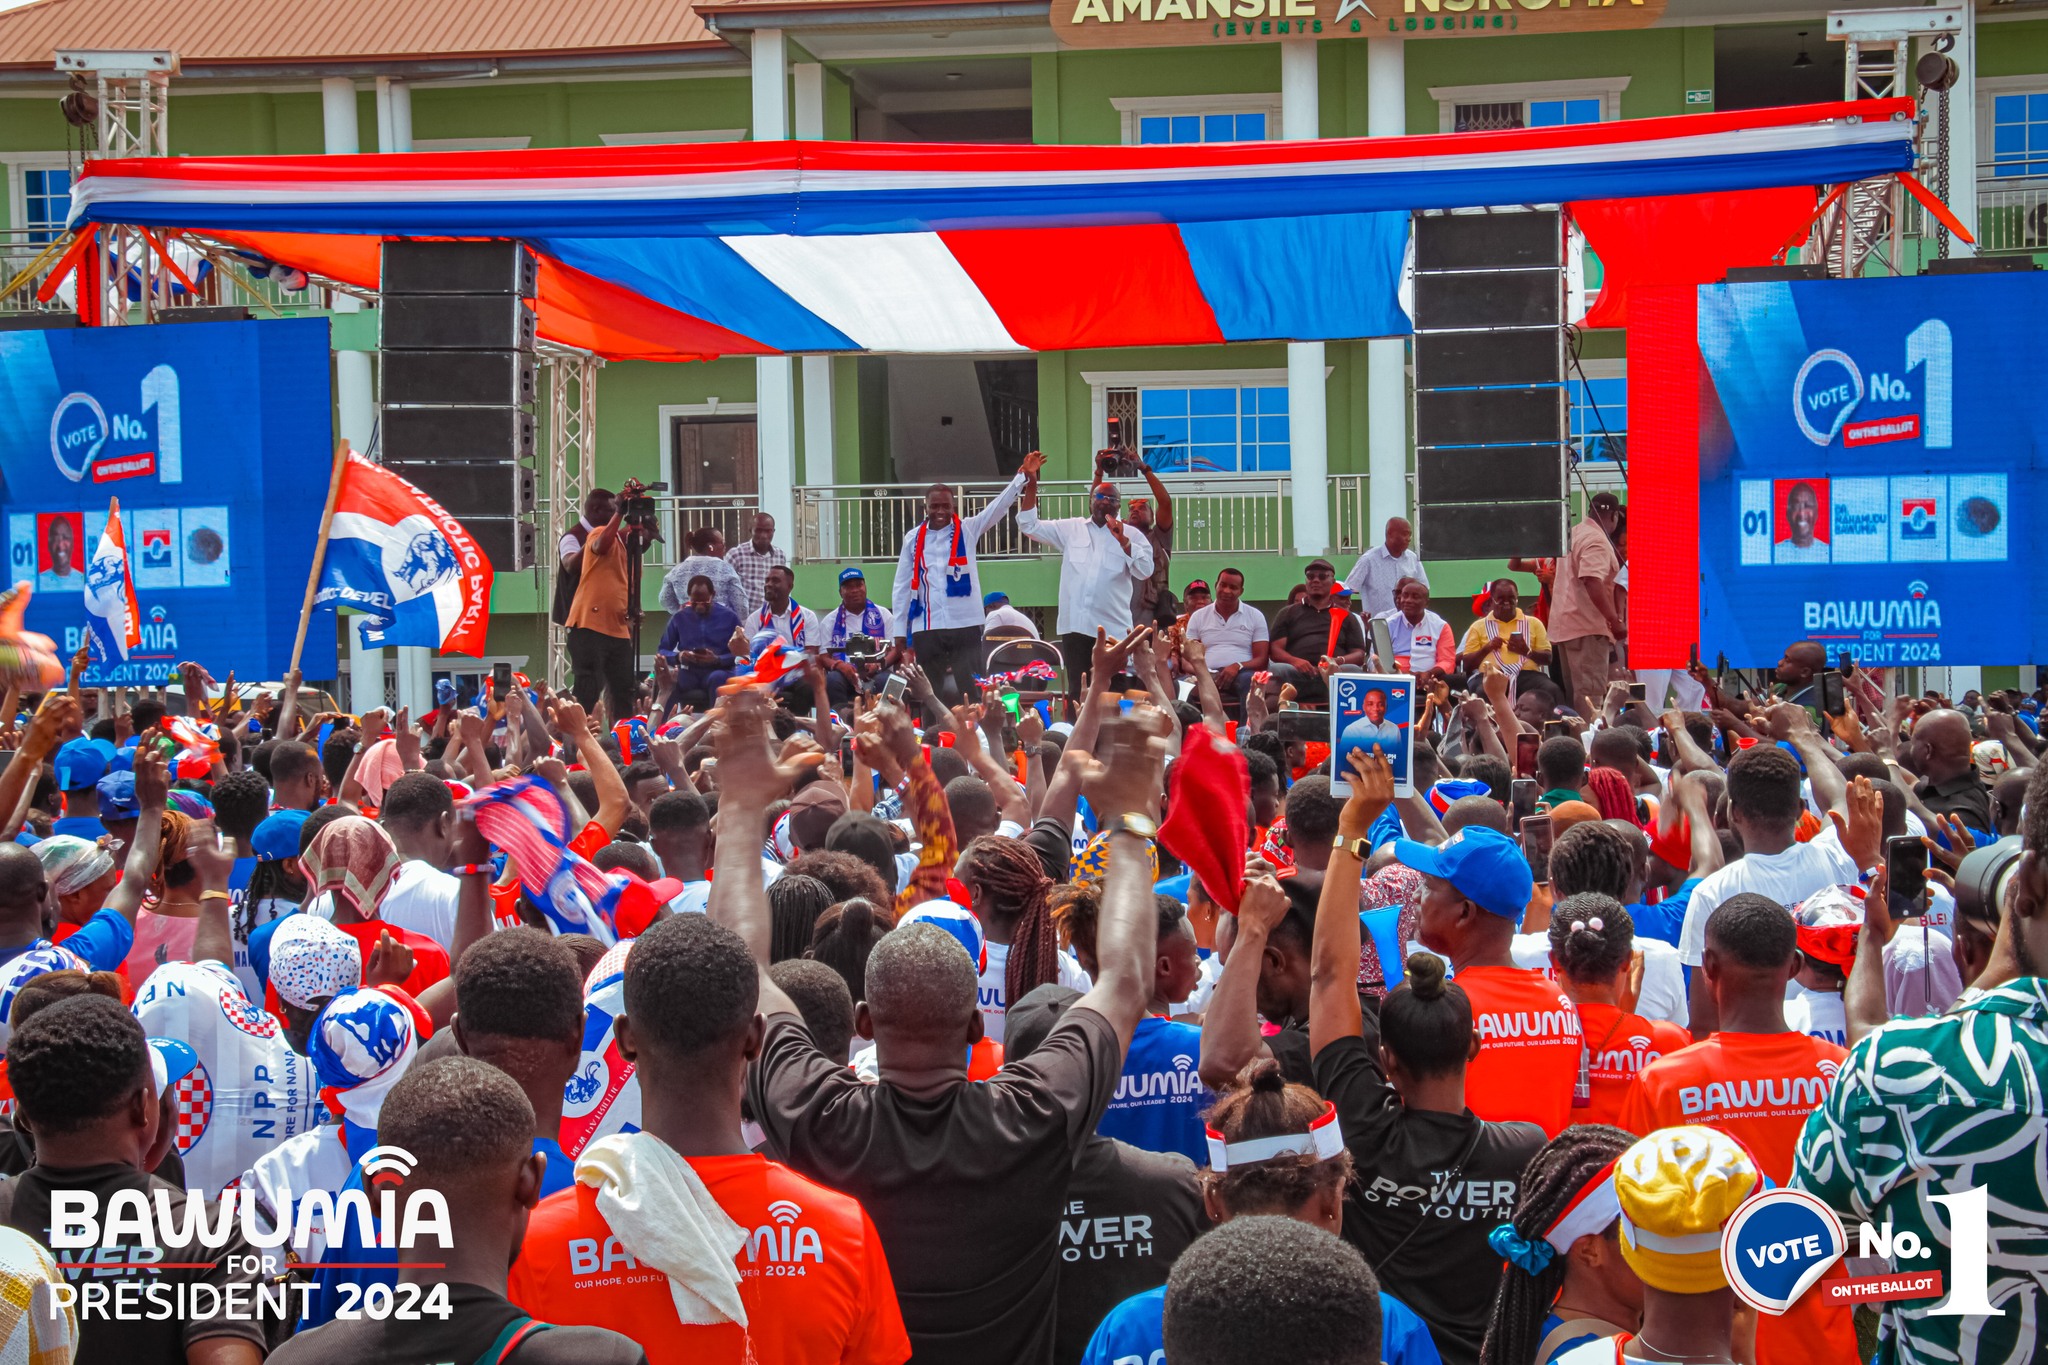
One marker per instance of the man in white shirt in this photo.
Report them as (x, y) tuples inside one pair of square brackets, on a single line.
[(1421, 639), (1764, 806), (936, 601), (1004, 620), (1101, 559), (1380, 570), (419, 815), (1234, 637), (797, 624)]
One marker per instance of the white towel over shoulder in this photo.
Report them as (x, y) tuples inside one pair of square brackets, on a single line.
[(664, 1217)]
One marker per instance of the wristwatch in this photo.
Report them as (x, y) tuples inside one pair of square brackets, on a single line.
[(1360, 849), (1131, 822)]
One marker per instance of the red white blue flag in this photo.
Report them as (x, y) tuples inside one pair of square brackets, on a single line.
[(114, 621), (397, 557)]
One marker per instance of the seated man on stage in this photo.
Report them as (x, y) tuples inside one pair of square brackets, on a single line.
[(846, 678), (1316, 635), (698, 642)]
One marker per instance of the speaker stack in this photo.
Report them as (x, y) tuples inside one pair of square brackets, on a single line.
[(1490, 401), (458, 385)]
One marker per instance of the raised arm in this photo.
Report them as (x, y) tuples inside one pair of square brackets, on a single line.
[(1333, 1009), (152, 790), (1230, 1027), (57, 716), (974, 527), (612, 802), (1127, 781), (749, 781), (1012, 802), (1163, 516)]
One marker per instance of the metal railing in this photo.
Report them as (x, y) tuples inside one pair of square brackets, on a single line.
[(844, 522), (2012, 212), (223, 279)]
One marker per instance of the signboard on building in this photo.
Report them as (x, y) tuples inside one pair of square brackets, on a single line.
[(217, 439), (1199, 23)]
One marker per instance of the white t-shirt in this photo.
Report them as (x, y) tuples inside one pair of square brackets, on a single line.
[(1008, 618), (1818, 1014), (695, 897), (994, 997), (1227, 640), (423, 899), (1663, 992), (1787, 878)]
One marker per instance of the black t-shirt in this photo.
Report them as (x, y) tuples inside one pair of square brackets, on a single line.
[(1290, 1048), (965, 1188), (135, 1339), (1964, 796), (1128, 1215), (1305, 630), (471, 1328), (1430, 1187)]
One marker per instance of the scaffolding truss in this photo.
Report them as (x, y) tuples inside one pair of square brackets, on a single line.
[(131, 92), (571, 380)]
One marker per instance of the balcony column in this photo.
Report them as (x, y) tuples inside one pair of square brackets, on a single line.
[(355, 395), (820, 454), (774, 378), (1308, 427), (1386, 378)]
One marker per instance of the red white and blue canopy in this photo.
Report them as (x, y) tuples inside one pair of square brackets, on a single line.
[(764, 247)]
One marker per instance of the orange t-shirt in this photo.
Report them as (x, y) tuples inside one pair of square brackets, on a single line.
[(1528, 1060), (1758, 1088), (812, 1275), (1620, 1045)]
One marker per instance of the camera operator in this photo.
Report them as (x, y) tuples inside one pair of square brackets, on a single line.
[(604, 618)]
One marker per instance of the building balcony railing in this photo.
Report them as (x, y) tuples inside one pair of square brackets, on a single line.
[(1250, 515), (227, 284), (2012, 211)]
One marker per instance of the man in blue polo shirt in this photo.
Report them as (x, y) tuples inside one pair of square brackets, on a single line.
[(1160, 1096)]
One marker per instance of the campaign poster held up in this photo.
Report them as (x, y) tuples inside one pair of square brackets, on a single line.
[(1869, 473), (207, 433)]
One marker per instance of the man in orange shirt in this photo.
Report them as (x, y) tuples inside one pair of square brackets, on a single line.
[(1755, 1080), (1477, 886), (808, 1283)]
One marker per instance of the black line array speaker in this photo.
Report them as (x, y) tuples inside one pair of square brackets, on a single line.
[(1490, 411), (457, 334)]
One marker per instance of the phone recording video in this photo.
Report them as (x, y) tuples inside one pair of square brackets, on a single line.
[(501, 680), (1526, 745), (1905, 870), (1523, 799), (1833, 700), (1537, 833)]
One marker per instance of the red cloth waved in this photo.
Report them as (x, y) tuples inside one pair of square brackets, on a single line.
[(1208, 817)]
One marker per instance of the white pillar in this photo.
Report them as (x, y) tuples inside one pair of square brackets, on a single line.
[(394, 115), (355, 397), (807, 80), (1962, 136), (1307, 399), (1386, 379), (774, 382)]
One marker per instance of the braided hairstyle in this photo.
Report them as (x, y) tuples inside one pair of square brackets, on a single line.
[(172, 869), (1551, 1180), (1076, 911), (1267, 1106), (1591, 937), (1011, 875)]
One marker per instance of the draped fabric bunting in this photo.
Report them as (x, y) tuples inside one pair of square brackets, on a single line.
[(1690, 239), (767, 247)]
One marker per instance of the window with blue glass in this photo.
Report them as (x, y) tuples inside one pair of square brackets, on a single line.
[(1222, 430), (46, 201), (1162, 129), (1599, 417), (2019, 135), (1556, 113)]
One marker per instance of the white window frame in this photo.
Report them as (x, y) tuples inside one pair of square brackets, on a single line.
[(1100, 382), (1607, 89), (18, 163), (471, 144), (1132, 108), (681, 135), (1599, 473), (1988, 89)]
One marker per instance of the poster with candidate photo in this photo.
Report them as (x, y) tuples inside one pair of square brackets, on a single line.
[(1368, 709)]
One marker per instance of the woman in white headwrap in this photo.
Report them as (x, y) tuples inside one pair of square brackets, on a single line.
[(81, 872)]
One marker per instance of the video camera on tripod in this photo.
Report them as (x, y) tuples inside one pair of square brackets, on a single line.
[(636, 509)]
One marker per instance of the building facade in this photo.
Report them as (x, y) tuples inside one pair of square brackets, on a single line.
[(1276, 453)]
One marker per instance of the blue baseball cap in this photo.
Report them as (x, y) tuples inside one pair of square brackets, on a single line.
[(989, 599), (851, 572), (277, 838), (1485, 865), (82, 763), (171, 1061), (117, 797)]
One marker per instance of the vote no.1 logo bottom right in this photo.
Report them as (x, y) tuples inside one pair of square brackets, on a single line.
[(1781, 1244)]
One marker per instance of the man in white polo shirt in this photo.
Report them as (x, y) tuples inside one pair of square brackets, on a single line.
[(1233, 636)]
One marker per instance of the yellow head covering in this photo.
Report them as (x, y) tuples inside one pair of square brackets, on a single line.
[(1678, 1188)]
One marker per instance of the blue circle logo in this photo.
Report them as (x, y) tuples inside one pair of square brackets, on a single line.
[(1777, 1246)]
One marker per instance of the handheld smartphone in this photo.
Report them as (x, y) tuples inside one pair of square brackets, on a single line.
[(846, 755), (1383, 645), (894, 689), (1526, 745), (1553, 728), (1536, 839), (1846, 663), (501, 680), (1639, 692), (1523, 799), (1905, 869), (1832, 699)]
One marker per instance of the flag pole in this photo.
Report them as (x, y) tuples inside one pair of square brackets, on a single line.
[(320, 550)]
